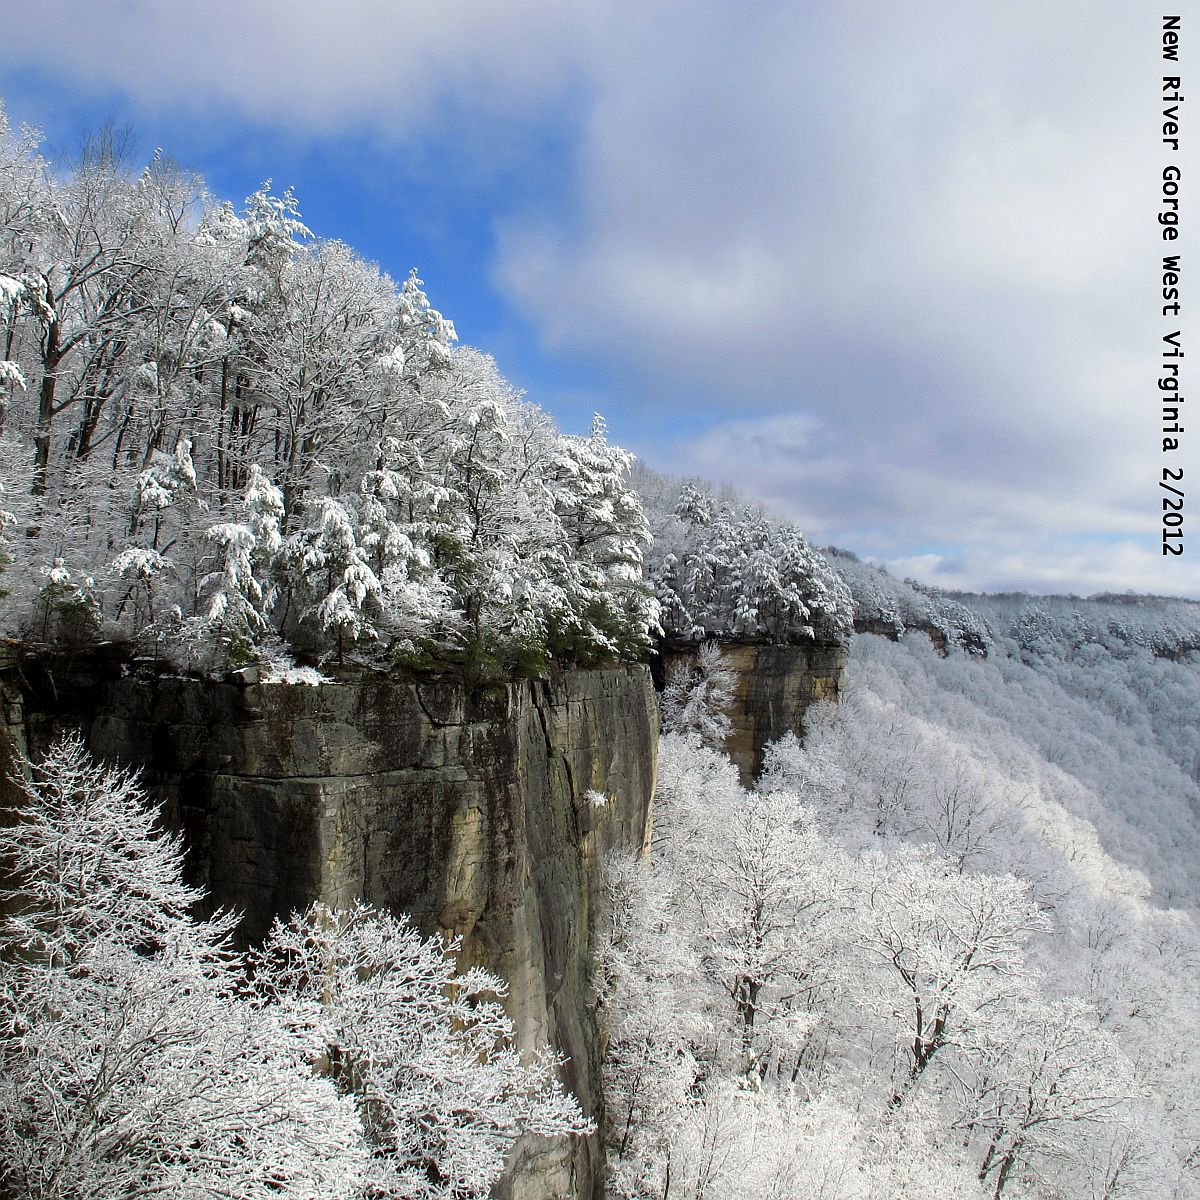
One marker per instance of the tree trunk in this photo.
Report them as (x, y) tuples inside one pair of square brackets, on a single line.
[(45, 417)]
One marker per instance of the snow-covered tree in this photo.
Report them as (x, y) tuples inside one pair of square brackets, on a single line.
[(952, 947), (241, 593), (132, 1064), (139, 1057), (332, 568), (696, 699), (425, 1052), (1050, 1080), (646, 980), (769, 878), (606, 608)]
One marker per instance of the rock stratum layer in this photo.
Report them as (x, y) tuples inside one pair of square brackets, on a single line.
[(485, 813)]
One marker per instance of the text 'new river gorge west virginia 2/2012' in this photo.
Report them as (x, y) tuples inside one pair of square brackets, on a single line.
[(1170, 393)]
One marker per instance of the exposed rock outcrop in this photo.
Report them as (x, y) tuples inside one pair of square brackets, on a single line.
[(774, 686), (486, 813), (970, 640)]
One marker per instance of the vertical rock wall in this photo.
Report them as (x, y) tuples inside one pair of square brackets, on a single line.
[(487, 814), (774, 686)]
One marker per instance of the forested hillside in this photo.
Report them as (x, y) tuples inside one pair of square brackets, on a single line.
[(945, 947), (227, 439)]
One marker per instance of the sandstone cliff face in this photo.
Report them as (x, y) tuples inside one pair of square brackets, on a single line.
[(774, 686), (468, 809)]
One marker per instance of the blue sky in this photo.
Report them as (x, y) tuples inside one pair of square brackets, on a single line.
[(887, 266)]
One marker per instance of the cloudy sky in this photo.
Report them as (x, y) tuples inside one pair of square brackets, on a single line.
[(889, 266)]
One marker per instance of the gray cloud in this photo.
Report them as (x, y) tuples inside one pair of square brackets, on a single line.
[(392, 64)]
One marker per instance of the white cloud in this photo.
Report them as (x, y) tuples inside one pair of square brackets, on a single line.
[(1062, 565), (899, 257), (927, 230), (391, 64), (996, 531)]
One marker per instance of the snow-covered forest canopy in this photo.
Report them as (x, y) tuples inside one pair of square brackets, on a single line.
[(1068, 626), (722, 567), (224, 438)]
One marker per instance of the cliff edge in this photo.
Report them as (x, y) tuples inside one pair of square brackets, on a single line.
[(486, 813)]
